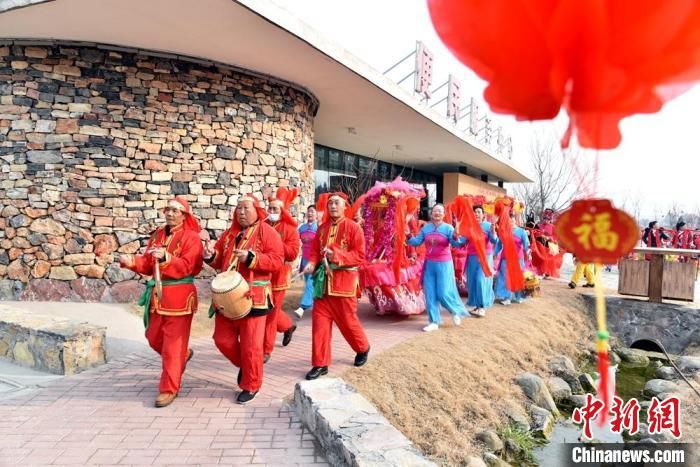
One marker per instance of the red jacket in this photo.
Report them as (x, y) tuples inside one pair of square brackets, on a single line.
[(346, 239), (281, 278), (183, 258), (267, 251)]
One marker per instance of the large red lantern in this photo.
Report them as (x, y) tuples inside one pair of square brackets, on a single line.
[(600, 60)]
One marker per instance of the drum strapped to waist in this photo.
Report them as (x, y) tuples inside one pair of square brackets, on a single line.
[(230, 293)]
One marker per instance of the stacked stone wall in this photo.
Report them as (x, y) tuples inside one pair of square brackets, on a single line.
[(93, 143)]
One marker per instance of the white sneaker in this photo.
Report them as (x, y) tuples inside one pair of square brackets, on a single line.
[(480, 312), (457, 320), (431, 327), (505, 302), (299, 312), (519, 300)]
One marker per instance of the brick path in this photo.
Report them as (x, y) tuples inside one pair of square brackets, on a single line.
[(106, 416)]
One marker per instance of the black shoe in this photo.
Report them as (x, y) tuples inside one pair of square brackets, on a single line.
[(572, 285), (317, 371), (361, 358), (240, 376), (590, 286), (288, 336), (266, 358), (246, 396)]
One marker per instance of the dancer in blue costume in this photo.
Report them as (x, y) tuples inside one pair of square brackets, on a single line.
[(439, 284), (307, 233), (480, 287), (522, 244)]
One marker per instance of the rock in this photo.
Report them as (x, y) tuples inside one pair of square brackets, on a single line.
[(656, 364), (564, 368), (542, 422), (667, 373), (92, 270), (63, 273), (53, 251), (574, 401), (4, 258), (9, 211), (47, 226), (44, 157), (18, 221), (647, 441), (47, 290), (634, 356), (115, 274), (73, 246), (81, 258), (36, 239), (491, 440), (8, 290), (493, 460), (536, 390), (41, 269), (559, 388), (688, 365), (587, 382), (90, 290), (614, 358), (513, 450), (517, 415), (656, 387), (126, 292), (17, 270), (130, 248), (126, 237), (472, 461)]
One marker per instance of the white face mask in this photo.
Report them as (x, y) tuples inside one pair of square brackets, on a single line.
[(273, 217)]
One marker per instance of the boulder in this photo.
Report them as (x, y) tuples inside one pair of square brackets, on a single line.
[(493, 460), (536, 390), (17, 270), (126, 237), (9, 290), (688, 365), (89, 290), (574, 401), (559, 388), (564, 368), (115, 274), (587, 382), (472, 461), (634, 356), (657, 387), (667, 373), (542, 422), (126, 291), (491, 440), (48, 290), (517, 415)]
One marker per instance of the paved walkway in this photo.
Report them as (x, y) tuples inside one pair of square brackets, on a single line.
[(106, 416)]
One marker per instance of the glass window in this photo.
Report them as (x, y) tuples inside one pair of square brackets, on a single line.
[(365, 166), (321, 178), (334, 160), (320, 158), (384, 171), (350, 163)]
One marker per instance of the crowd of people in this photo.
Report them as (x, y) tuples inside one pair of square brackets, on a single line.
[(468, 247)]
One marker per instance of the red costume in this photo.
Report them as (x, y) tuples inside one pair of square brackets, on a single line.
[(277, 320), (241, 340), (168, 320), (340, 287)]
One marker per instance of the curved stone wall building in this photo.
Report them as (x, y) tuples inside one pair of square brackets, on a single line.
[(93, 142)]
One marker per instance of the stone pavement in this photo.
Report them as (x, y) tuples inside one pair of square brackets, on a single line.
[(106, 416)]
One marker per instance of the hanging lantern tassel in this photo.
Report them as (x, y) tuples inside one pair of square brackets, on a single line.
[(605, 386)]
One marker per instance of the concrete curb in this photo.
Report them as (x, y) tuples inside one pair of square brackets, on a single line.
[(350, 429)]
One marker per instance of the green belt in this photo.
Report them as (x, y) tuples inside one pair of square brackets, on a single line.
[(212, 311), (319, 278), (145, 300)]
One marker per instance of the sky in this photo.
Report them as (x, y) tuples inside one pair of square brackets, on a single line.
[(657, 162)]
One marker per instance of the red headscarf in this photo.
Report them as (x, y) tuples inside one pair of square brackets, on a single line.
[(262, 214), (181, 204), (284, 199), (326, 197)]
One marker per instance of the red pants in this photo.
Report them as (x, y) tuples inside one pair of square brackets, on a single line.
[(170, 337), (342, 311), (275, 321), (241, 341)]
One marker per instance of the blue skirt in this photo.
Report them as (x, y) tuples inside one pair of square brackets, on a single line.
[(502, 292), (479, 286)]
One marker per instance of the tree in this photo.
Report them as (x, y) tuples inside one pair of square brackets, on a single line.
[(557, 179)]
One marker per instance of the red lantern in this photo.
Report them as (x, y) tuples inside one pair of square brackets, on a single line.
[(600, 60), (596, 232)]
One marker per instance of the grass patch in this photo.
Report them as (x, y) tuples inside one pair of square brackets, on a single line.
[(524, 441)]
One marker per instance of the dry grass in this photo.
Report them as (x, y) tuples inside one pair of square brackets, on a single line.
[(441, 389)]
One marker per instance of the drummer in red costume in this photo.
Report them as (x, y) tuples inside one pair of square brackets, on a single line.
[(283, 222), (337, 251), (178, 250), (258, 250)]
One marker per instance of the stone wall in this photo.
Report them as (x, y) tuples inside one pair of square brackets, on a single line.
[(93, 142)]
